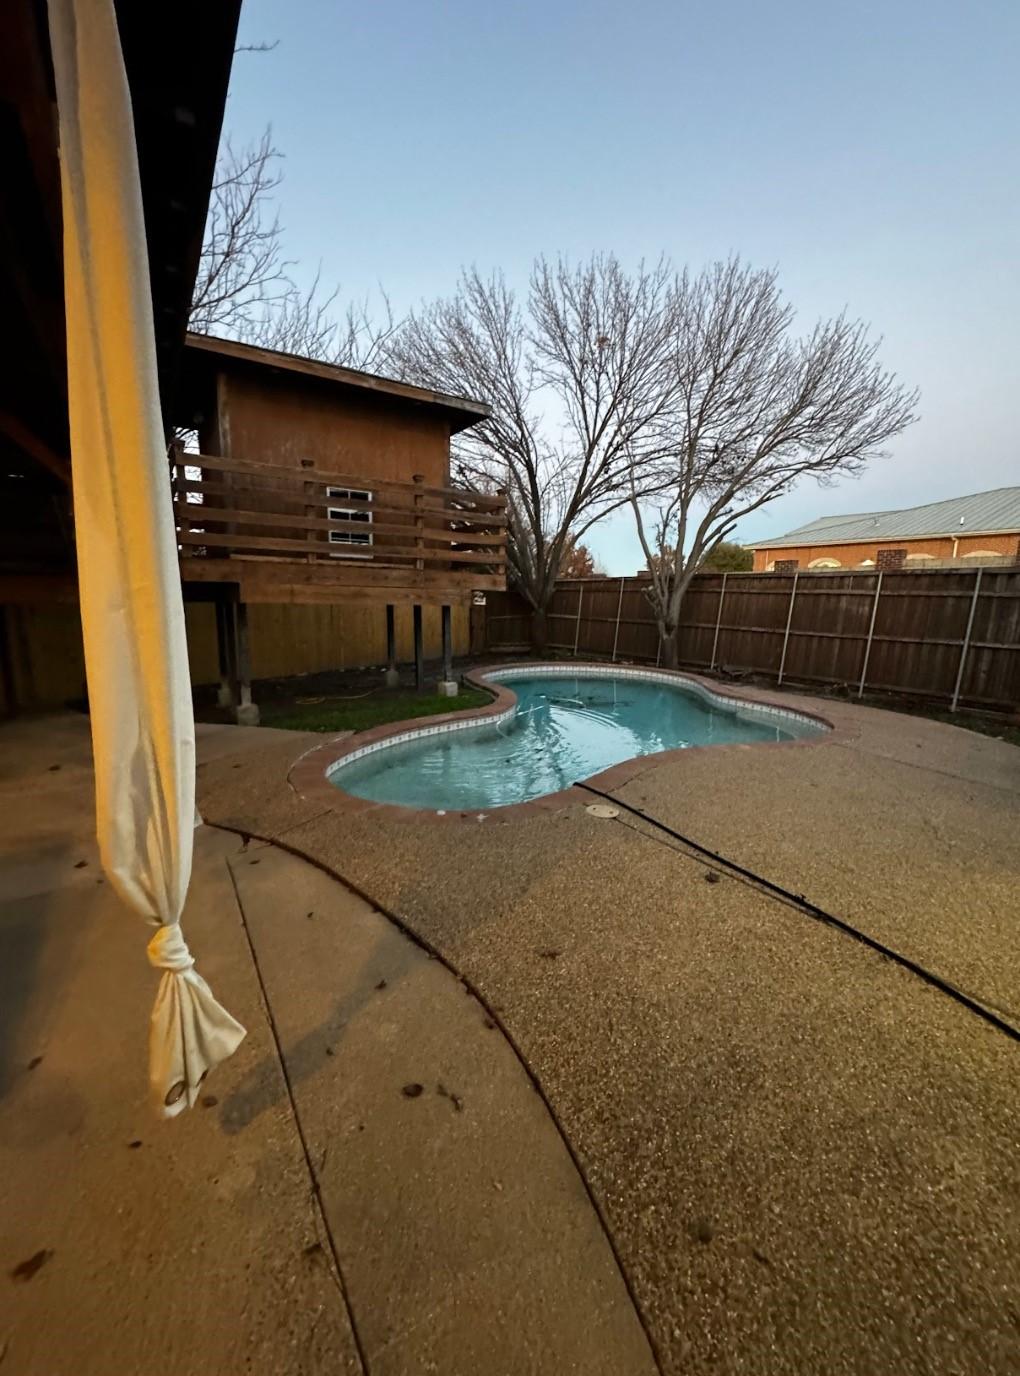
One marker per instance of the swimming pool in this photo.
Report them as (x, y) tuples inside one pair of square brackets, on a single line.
[(567, 725)]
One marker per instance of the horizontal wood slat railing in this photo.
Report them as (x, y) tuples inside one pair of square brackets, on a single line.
[(384, 553), (484, 501), (494, 518), (236, 509), (185, 512)]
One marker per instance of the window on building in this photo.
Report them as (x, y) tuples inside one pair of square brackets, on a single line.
[(825, 564), (920, 559), (354, 541), (983, 554), (889, 560)]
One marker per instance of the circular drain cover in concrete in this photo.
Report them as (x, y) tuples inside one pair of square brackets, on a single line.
[(602, 810)]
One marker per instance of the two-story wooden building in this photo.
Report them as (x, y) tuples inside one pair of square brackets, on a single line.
[(320, 485)]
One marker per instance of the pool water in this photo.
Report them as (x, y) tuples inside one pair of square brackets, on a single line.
[(565, 728)]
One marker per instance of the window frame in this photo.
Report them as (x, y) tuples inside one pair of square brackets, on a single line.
[(355, 544)]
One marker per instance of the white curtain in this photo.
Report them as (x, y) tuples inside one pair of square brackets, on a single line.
[(136, 654)]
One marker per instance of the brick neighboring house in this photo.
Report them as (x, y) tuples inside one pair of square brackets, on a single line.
[(981, 528)]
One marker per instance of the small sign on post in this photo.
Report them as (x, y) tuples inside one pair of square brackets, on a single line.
[(478, 598)]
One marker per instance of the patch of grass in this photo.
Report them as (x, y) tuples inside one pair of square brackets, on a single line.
[(375, 710)]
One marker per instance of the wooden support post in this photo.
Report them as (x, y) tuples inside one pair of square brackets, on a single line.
[(479, 629), (419, 650), (243, 655), (8, 679), (447, 644), (176, 458), (616, 633), (786, 633), (391, 636), (577, 623), (871, 634), (718, 622), (246, 712), (966, 641), (23, 655), (392, 672), (235, 662), (225, 656)]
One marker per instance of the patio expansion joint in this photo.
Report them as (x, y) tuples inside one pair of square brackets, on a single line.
[(269, 840), (494, 1014), (319, 1210), (1004, 1021)]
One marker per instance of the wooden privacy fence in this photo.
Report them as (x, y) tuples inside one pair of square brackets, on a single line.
[(950, 635)]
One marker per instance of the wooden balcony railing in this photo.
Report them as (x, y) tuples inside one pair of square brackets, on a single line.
[(352, 527)]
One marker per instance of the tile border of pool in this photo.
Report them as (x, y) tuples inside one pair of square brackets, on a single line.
[(310, 776)]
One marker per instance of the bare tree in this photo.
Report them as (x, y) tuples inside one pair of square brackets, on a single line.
[(242, 270), (304, 323), (578, 385), (754, 410), (260, 47), (244, 288)]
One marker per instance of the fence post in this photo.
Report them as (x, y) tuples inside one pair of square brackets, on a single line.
[(871, 632), (789, 618), (577, 623), (966, 640), (718, 622), (616, 633)]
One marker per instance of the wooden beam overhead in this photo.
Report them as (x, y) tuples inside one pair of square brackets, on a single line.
[(19, 434), (33, 382)]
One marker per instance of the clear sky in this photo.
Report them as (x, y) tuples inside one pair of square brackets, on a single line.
[(870, 151)]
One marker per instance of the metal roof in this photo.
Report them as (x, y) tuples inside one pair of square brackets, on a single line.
[(982, 513)]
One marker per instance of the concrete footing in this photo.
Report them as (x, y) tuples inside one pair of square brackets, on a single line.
[(247, 714), (392, 678), (447, 688)]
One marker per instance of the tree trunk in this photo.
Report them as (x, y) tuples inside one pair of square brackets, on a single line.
[(539, 632), (669, 623), (670, 647)]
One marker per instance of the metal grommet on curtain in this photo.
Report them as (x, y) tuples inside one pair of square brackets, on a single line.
[(174, 1093)]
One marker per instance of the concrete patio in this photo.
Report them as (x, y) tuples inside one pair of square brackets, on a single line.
[(465, 1237), (757, 1147)]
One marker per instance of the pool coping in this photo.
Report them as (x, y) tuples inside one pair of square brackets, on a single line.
[(309, 775)]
